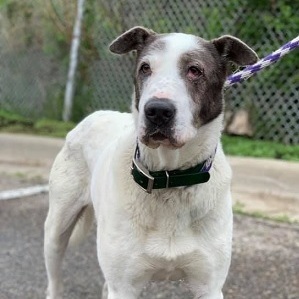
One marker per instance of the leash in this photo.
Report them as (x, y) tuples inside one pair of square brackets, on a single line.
[(250, 70)]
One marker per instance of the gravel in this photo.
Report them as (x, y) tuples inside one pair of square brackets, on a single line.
[(265, 262)]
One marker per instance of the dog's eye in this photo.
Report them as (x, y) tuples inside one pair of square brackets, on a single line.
[(194, 72), (145, 69)]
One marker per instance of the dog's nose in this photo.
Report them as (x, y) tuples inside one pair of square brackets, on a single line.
[(159, 111)]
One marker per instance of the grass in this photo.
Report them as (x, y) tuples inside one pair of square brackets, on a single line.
[(239, 209), (15, 124), (242, 146), (234, 146), (53, 128), (9, 119)]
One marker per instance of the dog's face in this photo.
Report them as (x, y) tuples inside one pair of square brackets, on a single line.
[(178, 81)]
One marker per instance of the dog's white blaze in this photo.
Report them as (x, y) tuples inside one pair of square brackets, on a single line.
[(166, 82)]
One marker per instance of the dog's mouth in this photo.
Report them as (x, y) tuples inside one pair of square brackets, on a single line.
[(159, 137)]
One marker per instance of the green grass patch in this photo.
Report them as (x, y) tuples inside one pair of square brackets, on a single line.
[(239, 209), (242, 146), (13, 123), (53, 128), (8, 119)]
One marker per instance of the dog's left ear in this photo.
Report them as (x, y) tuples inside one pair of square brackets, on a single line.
[(235, 50), (133, 39)]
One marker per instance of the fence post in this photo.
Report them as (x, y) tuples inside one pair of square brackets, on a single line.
[(70, 85)]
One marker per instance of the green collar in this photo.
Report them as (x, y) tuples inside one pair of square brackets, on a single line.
[(149, 180)]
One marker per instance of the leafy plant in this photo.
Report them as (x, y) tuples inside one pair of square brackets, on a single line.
[(53, 127), (8, 118)]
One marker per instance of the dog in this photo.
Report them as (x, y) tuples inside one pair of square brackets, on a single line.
[(156, 180)]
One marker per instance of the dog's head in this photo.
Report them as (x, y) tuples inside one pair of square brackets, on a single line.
[(178, 81)]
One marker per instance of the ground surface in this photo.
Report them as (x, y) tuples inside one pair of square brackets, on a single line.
[(265, 261)]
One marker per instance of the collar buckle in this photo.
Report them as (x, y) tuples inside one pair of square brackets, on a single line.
[(146, 173)]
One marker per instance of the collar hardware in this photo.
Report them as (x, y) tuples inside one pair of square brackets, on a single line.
[(167, 179), (139, 168), (149, 180)]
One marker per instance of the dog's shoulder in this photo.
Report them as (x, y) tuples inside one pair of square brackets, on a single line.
[(96, 132), (100, 123)]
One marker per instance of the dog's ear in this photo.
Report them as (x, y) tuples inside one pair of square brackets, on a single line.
[(235, 50), (133, 39)]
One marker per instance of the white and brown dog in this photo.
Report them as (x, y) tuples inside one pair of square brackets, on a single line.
[(157, 179)]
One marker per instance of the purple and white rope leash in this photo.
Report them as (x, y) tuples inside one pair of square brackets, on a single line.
[(254, 68)]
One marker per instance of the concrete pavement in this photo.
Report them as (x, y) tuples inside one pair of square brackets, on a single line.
[(267, 186), (27, 155), (264, 260), (259, 185)]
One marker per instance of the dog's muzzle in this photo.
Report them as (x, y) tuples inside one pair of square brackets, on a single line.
[(159, 118), (159, 112)]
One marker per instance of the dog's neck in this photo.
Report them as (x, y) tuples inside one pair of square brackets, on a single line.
[(195, 151)]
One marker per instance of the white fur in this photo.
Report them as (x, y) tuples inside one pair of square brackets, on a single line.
[(166, 82), (178, 233)]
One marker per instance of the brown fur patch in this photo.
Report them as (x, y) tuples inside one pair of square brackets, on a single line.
[(205, 91)]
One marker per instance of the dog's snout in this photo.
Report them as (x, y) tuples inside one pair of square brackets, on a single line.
[(159, 111)]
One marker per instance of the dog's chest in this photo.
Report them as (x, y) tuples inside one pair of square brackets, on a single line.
[(169, 226)]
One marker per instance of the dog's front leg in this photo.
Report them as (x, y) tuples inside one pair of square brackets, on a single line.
[(206, 277), (122, 294), (124, 268), (216, 295), (122, 283), (206, 284), (123, 290)]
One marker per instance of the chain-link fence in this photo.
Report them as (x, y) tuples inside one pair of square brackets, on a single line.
[(105, 81), (26, 84)]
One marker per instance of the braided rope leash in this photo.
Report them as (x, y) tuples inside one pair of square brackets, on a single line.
[(250, 70)]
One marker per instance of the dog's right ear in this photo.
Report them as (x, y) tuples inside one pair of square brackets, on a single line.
[(235, 50), (133, 39)]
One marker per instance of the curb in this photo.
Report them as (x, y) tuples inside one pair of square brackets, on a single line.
[(23, 192)]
